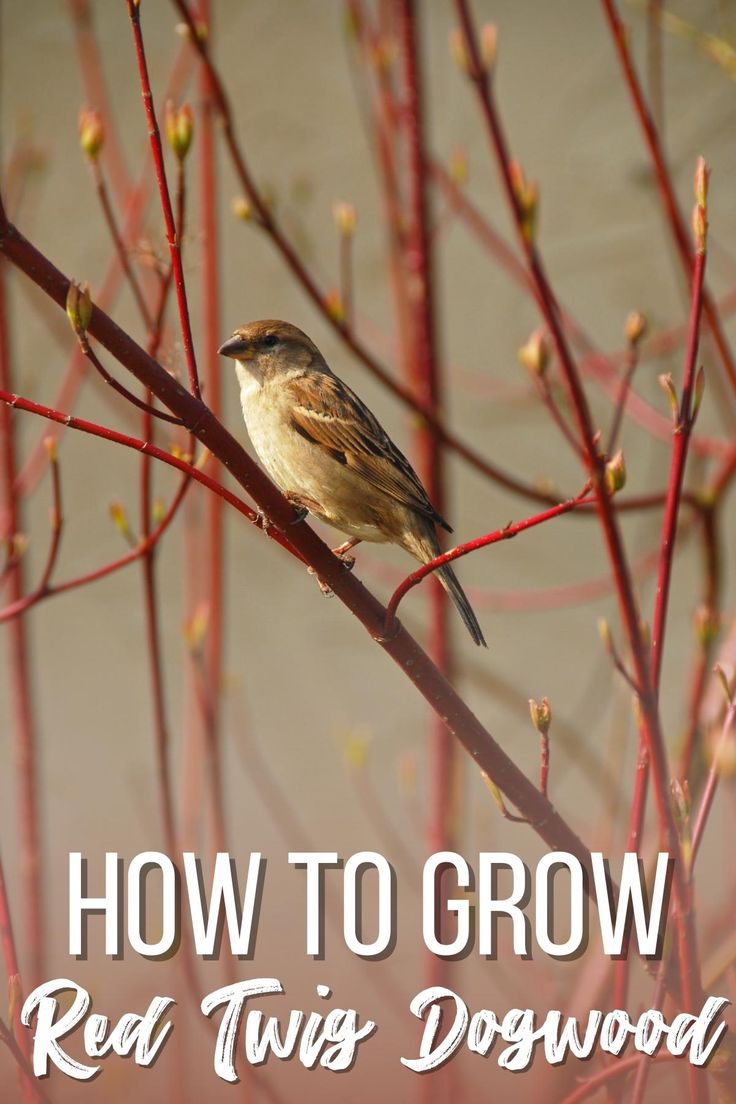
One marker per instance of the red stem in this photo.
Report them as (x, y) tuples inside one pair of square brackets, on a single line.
[(165, 197), (680, 440), (19, 677), (42, 588), (421, 358), (107, 434), (213, 565), (711, 785), (12, 969), (14, 609), (147, 559), (506, 533), (664, 184), (140, 404), (117, 240)]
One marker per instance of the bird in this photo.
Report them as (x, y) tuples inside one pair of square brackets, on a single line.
[(328, 454)]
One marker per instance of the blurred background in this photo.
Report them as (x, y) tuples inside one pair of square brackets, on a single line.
[(324, 744)]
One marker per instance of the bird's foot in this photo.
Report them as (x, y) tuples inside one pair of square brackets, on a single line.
[(327, 591), (342, 553), (301, 505)]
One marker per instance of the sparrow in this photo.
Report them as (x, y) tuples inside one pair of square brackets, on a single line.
[(329, 454)]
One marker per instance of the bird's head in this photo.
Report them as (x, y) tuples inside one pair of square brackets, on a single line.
[(269, 347)]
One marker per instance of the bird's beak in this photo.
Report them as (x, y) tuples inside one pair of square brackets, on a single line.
[(236, 348)]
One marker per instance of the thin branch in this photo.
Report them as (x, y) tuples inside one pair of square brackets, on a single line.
[(119, 244), (121, 389), (664, 184), (632, 363), (171, 234), (709, 792), (21, 1051), (509, 531), (43, 587), (23, 723)]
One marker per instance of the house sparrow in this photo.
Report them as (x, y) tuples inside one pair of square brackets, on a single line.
[(328, 454)]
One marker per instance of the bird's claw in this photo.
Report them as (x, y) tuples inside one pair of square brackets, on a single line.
[(301, 505), (342, 553), (327, 591)]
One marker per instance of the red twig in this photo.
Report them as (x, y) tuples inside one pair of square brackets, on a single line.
[(422, 362), (707, 621), (19, 678), (664, 184), (166, 207), (214, 549), (382, 129), (632, 362), (711, 785), (43, 587), (107, 434), (15, 609), (121, 251), (544, 763), (148, 577), (17, 1033), (506, 533), (121, 389), (680, 439), (680, 442)]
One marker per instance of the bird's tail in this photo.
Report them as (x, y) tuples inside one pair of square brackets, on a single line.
[(424, 546), (448, 578)]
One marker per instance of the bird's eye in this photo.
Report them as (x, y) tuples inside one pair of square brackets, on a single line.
[(270, 340)]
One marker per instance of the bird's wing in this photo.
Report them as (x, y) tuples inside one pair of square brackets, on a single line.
[(328, 413)]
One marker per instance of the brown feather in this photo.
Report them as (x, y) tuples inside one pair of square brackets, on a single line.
[(324, 412)]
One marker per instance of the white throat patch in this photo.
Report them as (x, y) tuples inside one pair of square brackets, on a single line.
[(249, 380)]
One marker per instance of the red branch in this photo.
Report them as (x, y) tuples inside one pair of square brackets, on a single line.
[(664, 183), (43, 587), (680, 440), (506, 533), (709, 791), (19, 679), (165, 197), (22, 1048)]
